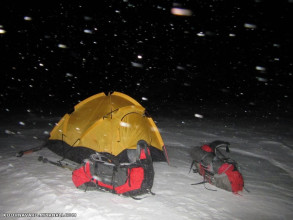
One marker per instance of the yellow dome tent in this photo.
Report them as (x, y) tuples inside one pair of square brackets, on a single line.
[(108, 123)]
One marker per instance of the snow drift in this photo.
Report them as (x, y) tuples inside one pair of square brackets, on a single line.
[(263, 149)]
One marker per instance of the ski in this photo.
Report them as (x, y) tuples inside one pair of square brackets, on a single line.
[(203, 182), (34, 149), (58, 163)]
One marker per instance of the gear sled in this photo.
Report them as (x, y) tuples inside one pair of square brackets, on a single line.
[(215, 168), (103, 172)]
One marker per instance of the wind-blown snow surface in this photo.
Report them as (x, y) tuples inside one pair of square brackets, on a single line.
[(262, 148)]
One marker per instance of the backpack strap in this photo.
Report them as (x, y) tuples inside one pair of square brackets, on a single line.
[(217, 144), (142, 151)]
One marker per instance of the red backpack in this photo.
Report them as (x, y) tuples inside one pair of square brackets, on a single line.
[(215, 168), (100, 172)]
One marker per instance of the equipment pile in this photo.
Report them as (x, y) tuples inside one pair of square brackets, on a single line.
[(216, 168)]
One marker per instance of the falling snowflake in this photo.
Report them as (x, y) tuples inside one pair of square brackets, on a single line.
[(181, 12), (198, 115), (250, 26), (27, 18), (63, 46)]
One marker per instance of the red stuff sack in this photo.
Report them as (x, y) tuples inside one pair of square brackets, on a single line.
[(83, 175), (229, 178)]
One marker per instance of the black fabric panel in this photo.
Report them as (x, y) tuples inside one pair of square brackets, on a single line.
[(76, 154), (157, 155)]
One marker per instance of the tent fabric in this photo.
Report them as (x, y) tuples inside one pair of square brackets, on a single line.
[(107, 123)]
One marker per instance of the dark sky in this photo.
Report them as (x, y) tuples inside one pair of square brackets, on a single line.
[(225, 53)]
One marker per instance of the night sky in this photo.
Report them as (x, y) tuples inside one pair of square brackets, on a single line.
[(223, 53)]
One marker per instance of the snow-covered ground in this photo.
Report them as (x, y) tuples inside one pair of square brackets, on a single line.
[(263, 149)]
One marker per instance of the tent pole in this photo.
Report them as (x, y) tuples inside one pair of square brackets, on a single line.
[(166, 154)]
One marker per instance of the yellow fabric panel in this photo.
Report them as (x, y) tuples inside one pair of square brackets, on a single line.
[(99, 137), (156, 138), (121, 99), (133, 127), (116, 100), (84, 117), (122, 122), (97, 96)]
